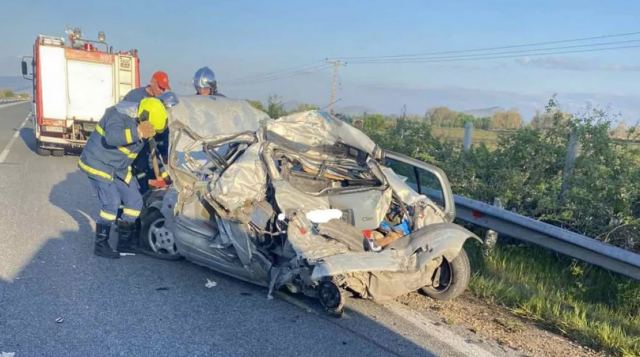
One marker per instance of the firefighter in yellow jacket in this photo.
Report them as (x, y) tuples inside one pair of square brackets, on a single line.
[(107, 158)]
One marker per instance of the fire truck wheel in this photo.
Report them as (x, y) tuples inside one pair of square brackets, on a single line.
[(42, 151)]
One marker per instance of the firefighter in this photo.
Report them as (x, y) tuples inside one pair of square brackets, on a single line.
[(107, 159), (158, 84), (204, 80), (158, 87), (142, 166)]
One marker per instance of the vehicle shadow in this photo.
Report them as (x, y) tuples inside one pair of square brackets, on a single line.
[(27, 134), (66, 301)]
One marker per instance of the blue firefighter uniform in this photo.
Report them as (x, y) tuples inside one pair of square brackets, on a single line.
[(107, 159)]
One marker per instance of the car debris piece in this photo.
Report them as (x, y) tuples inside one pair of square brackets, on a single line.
[(210, 284), (127, 254), (60, 320)]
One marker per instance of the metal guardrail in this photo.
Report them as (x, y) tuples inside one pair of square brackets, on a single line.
[(548, 236), (9, 101)]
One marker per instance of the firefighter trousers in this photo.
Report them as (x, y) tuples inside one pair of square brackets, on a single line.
[(111, 194)]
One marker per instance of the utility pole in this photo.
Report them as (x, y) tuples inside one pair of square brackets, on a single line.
[(334, 82)]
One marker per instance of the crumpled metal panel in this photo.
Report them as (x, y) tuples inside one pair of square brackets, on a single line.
[(313, 130), (211, 116), (353, 262), (369, 207), (309, 245), (243, 182), (291, 199)]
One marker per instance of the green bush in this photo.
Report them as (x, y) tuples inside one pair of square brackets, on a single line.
[(525, 173)]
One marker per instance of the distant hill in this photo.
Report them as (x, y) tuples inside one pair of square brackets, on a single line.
[(16, 84), (483, 112)]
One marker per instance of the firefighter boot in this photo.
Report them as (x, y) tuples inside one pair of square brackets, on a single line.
[(102, 247), (127, 237)]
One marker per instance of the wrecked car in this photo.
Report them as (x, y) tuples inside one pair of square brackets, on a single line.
[(305, 203)]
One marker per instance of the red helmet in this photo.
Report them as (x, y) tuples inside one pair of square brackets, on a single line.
[(161, 79)]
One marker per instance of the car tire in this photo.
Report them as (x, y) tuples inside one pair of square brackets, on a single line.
[(450, 279), (155, 240), (331, 298), (57, 153), (42, 151)]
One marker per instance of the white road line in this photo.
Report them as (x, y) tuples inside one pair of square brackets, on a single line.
[(440, 333), (5, 152), (11, 104)]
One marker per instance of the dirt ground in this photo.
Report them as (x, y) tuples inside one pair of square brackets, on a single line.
[(490, 323)]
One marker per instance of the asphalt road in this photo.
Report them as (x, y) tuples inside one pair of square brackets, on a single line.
[(58, 299)]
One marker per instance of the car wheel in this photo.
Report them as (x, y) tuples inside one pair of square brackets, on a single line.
[(331, 298), (155, 239), (450, 279), (57, 153), (42, 151)]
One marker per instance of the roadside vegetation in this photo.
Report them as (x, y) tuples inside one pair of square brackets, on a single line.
[(525, 173), (523, 168), (9, 94)]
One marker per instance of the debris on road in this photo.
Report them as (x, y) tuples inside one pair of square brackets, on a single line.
[(60, 320), (127, 254), (210, 284), (7, 354), (162, 288)]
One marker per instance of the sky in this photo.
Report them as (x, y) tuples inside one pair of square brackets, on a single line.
[(240, 40)]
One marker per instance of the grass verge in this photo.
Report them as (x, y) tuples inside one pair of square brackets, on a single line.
[(588, 304)]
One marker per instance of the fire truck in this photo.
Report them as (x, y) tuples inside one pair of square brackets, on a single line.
[(74, 82)]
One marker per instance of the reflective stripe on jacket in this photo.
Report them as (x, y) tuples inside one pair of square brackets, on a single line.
[(112, 147)]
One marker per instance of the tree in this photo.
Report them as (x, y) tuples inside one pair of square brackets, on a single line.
[(483, 123), (256, 104), (551, 117), (374, 123), (620, 132), (303, 107), (510, 119), (441, 117), (275, 108)]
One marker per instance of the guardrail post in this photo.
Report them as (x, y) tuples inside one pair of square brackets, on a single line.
[(490, 240), (491, 236), (468, 133)]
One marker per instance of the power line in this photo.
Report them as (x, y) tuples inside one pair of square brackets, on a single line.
[(284, 75), (282, 72), (491, 56), (513, 52), (495, 48), (486, 53)]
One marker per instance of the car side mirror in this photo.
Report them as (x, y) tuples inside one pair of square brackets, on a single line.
[(25, 70)]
